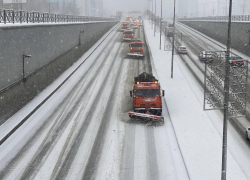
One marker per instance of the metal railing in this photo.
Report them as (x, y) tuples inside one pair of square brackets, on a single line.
[(218, 18), (12, 16)]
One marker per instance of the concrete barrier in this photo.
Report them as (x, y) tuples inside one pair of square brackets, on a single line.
[(218, 31), (53, 48)]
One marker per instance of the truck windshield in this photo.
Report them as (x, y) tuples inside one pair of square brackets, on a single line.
[(136, 45), (147, 92), (128, 32)]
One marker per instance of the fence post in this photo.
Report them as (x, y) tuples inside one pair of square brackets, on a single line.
[(13, 16), (21, 17), (33, 13), (43, 17), (4, 16), (27, 17), (55, 18)]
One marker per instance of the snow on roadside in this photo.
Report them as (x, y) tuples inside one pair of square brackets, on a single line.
[(16, 118), (199, 141)]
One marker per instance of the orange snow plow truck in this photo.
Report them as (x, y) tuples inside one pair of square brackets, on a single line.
[(128, 35), (147, 98), (125, 26), (136, 48)]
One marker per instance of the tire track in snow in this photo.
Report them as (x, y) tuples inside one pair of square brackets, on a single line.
[(14, 162), (90, 170), (64, 168)]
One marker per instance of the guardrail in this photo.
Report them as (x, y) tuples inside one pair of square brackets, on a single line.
[(218, 18), (12, 16)]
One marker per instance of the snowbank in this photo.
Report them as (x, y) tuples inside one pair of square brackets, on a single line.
[(199, 141)]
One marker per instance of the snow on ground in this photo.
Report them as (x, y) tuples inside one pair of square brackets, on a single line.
[(15, 119), (199, 140), (208, 40)]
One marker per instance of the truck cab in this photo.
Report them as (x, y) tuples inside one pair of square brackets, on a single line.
[(128, 35), (125, 26), (136, 48), (147, 94)]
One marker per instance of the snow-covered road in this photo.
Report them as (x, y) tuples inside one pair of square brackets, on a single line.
[(199, 132), (83, 131)]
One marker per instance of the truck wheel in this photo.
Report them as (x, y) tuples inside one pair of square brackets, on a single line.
[(247, 136), (158, 113)]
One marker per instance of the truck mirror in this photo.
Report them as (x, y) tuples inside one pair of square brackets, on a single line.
[(144, 45), (129, 45), (131, 94), (163, 93)]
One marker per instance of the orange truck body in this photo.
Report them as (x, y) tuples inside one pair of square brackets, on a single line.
[(128, 35), (147, 95), (136, 48), (125, 26)]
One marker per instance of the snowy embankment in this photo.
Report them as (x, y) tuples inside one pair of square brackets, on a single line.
[(12, 122), (199, 141)]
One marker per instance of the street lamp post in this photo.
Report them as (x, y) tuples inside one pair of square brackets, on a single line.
[(152, 15), (172, 61), (213, 7), (244, 8), (25, 56), (81, 32), (226, 98), (155, 19), (160, 24)]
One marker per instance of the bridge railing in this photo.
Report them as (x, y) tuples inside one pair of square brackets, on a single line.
[(12, 16), (218, 18)]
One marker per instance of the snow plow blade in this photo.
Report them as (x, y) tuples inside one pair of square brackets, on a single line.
[(135, 55), (146, 116)]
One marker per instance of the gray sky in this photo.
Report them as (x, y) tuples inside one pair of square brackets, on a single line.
[(130, 5), (216, 7)]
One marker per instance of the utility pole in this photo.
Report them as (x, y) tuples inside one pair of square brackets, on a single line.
[(49, 7), (213, 7), (152, 14), (197, 9), (244, 8), (155, 19), (160, 24), (226, 98), (204, 5), (172, 60), (226, 9)]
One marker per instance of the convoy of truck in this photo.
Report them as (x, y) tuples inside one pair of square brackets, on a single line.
[(146, 93)]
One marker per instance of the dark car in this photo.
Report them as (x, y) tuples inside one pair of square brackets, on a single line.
[(236, 61), (206, 56)]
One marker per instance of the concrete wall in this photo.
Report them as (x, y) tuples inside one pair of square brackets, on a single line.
[(218, 31), (53, 50)]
